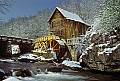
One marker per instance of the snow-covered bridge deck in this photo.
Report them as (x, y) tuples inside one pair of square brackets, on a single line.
[(15, 39)]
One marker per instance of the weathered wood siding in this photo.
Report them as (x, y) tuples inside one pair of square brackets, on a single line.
[(65, 28)]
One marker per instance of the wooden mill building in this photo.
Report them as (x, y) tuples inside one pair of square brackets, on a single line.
[(66, 25)]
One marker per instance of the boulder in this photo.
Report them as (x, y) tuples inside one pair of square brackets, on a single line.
[(73, 65), (104, 51), (2, 74), (94, 37), (55, 69), (23, 72)]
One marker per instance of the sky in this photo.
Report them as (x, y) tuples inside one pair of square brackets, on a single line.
[(25, 8)]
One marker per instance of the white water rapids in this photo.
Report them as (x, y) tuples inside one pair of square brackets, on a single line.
[(48, 77)]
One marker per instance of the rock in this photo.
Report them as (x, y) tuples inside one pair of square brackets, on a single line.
[(2, 74), (55, 69), (73, 65), (72, 68), (76, 69), (23, 72), (94, 37), (104, 51), (105, 38)]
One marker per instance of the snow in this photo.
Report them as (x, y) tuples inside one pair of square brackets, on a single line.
[(93, 33), (29, 56), (118, 45), (101, 45), (38, 51), (44, 59), (100, 53), (114, 29), (90, 47), (60, 42), (96, 26), (3, 35), (110, 50), (71, 63), (83, 53), (112, 36), (69, 15)]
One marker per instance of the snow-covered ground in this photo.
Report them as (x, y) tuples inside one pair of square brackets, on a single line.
[(71, 64), (28, 56)]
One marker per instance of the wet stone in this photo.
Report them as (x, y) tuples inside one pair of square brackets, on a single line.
[(23, 72), (2, 74), (55, 69)]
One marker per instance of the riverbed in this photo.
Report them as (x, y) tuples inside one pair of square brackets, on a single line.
[(65, 75)]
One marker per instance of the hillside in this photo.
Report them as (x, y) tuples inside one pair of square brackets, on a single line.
[(37, 26)]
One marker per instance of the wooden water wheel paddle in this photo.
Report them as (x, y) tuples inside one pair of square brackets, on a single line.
[(44, 46), (58, 46)]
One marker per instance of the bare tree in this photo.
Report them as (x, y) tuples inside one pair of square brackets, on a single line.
[(86, 9), (4, 4), (37, 26)]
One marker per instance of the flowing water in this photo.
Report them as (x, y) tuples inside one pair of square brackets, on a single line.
[(49, 77), (65, 75)]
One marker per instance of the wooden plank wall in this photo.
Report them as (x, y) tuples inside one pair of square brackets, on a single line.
[(66, 28)]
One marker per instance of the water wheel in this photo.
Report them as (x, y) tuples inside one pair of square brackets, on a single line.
[(52, 43), (58, 46)]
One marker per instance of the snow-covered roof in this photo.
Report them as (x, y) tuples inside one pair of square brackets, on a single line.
[(69, 15)]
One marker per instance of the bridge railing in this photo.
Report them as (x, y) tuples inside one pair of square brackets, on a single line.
[(15, 39)]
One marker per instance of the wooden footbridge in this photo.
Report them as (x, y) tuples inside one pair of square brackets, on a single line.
[(6, 43)]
